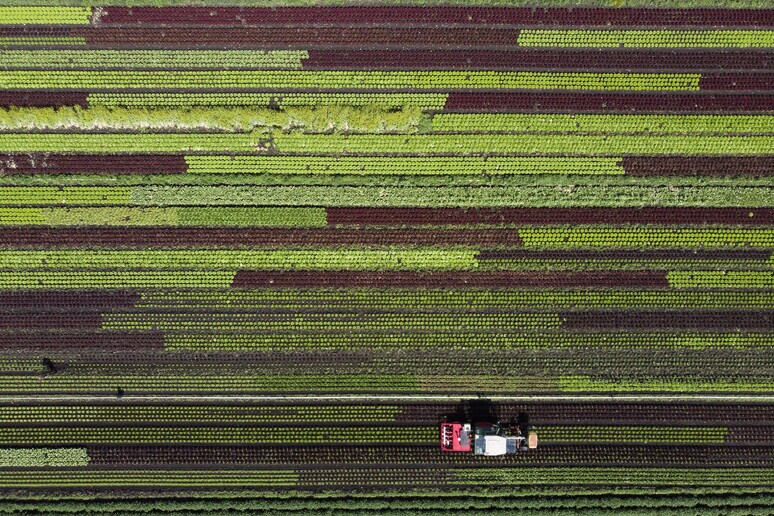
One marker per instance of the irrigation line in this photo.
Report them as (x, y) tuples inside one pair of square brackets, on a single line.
[(378, 398)]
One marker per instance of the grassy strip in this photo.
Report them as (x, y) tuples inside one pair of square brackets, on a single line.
[(151, 59), (86, 414), (208, 383), (114, 279), (218, 435), (677, 385), (399, 165), (646, 38), (566, 144), (54, 15), (721, 279), (327, 322), (318, 119), (624, 123), (148, 478), (451, 299), (424, 101), (226, 259), (533, 341), (632, 434), (590, 236), (43, 457), (125, 216), (417, 196), (615, 476), (349, 80)]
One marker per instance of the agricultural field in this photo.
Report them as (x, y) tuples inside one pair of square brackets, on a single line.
[(251, 258)]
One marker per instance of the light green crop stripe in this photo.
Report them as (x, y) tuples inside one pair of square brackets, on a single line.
[(114, 279), (242, 216), (43, 457), (565, 144), (10, 195), (150, 478), (44, 15), (163, 59), (284, 80), (721, 279), (134, 142), (588, 384), (647, 38), (21, 41), (400, 165), (558, 122), (644, 236), (317, 259)]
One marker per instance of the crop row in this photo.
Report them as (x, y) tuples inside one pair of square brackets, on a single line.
[(203, 259), (587, 384), (219, 434), (116, 279), (631, 434), (565, 144), (348, 80), (510, 341), (427, 101), (399, 165), (49, 15), (85, 414), (326, 322), (585, 236), (148, 478), (603, 123), (150, 59), (434, 299), (345, 196), (633, 264), (721, 279), (646, 38), (40, 41)]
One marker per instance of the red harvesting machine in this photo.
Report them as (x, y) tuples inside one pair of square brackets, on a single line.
[(488, 439)]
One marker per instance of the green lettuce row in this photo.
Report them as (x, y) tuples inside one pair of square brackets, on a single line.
[(203, 216), (217, 435), (648, 38), (632, 434), (483, 196), (111, 143), (114, 279), (602, 123), (352, 340), (85, 414), (150, 59), (212, 383), (148, 478), (54, 15), (39, 41), (399, 165), (438, 322), (358, 119), (721, 279), (588, 236), (42, 457), (730, 477), (426, 101), (566, 144), (449, 299), (209, 259), (348, 80), (615, 265), (677, 385)]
